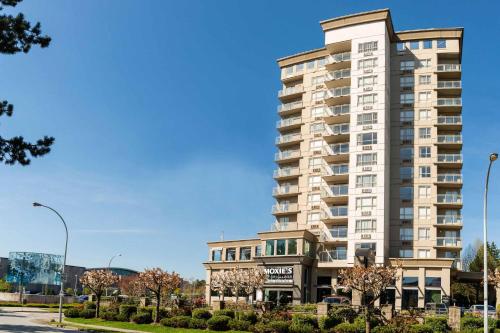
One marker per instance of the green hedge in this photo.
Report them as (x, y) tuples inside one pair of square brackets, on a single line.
[(72, 313), (219, 323), (127, 310), (198, 323), (142, 318), (239, 325), (178, 321), (438, 324), (224, 312), (201, 314)]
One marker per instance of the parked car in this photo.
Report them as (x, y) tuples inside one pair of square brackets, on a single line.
[(437, 308), (478, 309), (337, 300), (82, 298)]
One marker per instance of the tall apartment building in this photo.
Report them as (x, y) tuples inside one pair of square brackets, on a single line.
[(369, 156)]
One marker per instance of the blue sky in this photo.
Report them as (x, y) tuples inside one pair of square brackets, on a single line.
[(164, 116)]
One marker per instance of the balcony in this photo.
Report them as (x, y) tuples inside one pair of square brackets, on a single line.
[(337, 152), (334, 214), (291, 92), (338, 96), (289, 123), (337, 132), (449, 221), (449, 103), (336, 172), (449, 200), (449, 122), (290, 108), (335, 194), (449, 160), (449, 179), (286, 173), (338, 233), (449, 242), (284, 226), (338, 78), (288, 139), (279, 209), (445, 68), (284, 191), (449, 87), (339, 60), (291, 74), (332, 256), (287, 156), (450, 140)]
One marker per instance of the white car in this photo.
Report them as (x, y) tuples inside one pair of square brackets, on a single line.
[(478, 309)]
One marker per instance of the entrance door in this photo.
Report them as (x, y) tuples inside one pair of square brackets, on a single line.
[(279, 297)]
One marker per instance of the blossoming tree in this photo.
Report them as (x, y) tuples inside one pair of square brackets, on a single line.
[(97, 281)]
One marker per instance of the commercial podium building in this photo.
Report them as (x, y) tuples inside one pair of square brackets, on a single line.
[(368, 156)]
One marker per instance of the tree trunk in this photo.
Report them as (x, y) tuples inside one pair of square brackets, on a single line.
[(97, 305), (158, 299), (367, 319)]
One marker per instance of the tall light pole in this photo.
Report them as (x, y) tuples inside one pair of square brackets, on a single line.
[(109, 266), (493, 157), (61, 291)]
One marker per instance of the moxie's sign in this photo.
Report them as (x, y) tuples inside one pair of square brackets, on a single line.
[(279, 274)]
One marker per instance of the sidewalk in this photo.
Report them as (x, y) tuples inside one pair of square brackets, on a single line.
[(97, 327)]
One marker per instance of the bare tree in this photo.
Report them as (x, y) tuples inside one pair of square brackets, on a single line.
[(372, 281), (97, 281)]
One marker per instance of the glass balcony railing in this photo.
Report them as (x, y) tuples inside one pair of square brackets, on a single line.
[(337, 129), (456, 84), (449, 68), (449, 219), (337, 75), (332, 255), (338, 110), (338, 232), (449, 178), (288, 138), (450, 120), (280, 190), (339, 190), (291, 90), (452, 138), (288, 122), (337, 169), (456, 101), (449, 158), (286, 172), (290, 106), (449, 241), (338, 211), (339, 92), (336, 149), (449, 198), (285, 208), (339, 57), (283, 155)]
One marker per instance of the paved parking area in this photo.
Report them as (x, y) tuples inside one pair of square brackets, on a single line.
[(14, 320)]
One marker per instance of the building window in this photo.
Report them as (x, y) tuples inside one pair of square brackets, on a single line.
[(405, 253), (424, 63), (441, 43), (315, 162), (370, 246), (289, 70), (217, 255), (366, 181), (406, 193), (245, 253), (410, 281), (318, 95), (308, 250), (425, 152), (405, 173), (313, 217), (258, 250), (314, 181), (367, 47), (406, 154), (231, 254), (310, 64), (406, 81), (406, 115), (407, 98), (299, 67), (407, 65), (401, 46), (316, 128), (367, 225), (281, 247), (315, 144), (424, 213), (425, 171), (406, 213), (414, 45), (270, 247), (424, 114), (406, 135), (292, 246), (367, 118), (367, 99), (367, 81), (317, 111), (366, 159), (424, 233), (318, 80), (366, 203), (424, 254), (313, 198), (427, 44), (424, 191), (433, 282), (321, 62), (424, 133), (424, 96), (367, 138), (424, 79), (367, 63)]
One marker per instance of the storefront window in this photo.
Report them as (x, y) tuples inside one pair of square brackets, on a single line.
[(410, 298), (231, 254), (292, 246), (308, 251), (217, 255), (433, 282), (432, 296), (245, 253), (270, 247), (281, 247)]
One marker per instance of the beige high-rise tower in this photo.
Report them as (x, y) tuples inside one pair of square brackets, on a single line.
[(369, 153)]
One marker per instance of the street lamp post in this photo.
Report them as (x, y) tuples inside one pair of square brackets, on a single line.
[(109, 266), (493, 157), (61, 291)]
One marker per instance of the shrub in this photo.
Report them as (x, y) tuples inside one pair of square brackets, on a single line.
[(262, 328), (345, 313), (108, 315), (345, 328), (438, 324), (201, 314), (471, 323), (219, 323), (278, 326), (87, 313), (298, 327), (198, 323), (327, 322), (177, 321), (305, 319), (122, 317), (224, 312), (420, 328), (142, 318), (89, 306), (163, 313), (239, 325), (305, 308), (248, 316), (385, 329), (145, 309), (128, 310), (72, 313)]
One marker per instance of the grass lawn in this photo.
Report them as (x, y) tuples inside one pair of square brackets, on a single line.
[(137, 327)]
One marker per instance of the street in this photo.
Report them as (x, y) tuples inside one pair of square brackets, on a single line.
[(27, 320)]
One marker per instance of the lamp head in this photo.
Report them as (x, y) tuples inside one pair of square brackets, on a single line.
[(36, 204), (493, 157)]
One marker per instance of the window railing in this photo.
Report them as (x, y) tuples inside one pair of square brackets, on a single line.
[(332, 255), (285, 189), (338, 211), (449, 198), (338, 232), (286, 172), (291, 90), (339, 57), (456, 84), (449, 68), (337, 170), (449, 120), (284, 208), (457, 101), (288, 138), (288, 122), (449, 241), (452, 138), (449, 219), (336, 149), (338, 110), (339, 74), (449, 158), (337, 129), (290, 106), (449, 178), (283, 155), (339, 92)]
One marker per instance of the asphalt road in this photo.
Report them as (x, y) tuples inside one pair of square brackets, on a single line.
[(17, 320)]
